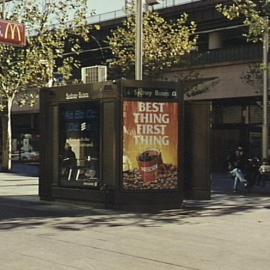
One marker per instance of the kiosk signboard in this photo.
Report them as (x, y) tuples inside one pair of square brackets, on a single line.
[(150, 145)]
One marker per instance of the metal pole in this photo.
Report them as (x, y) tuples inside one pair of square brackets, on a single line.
[(3, 9), (139, 41), (265, 94)]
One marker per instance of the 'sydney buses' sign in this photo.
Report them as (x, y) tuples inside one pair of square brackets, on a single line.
[(12, 33)]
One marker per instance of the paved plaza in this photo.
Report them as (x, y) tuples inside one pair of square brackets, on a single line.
[(229, 232)]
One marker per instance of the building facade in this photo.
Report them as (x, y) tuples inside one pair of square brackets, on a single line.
[(223, 54)]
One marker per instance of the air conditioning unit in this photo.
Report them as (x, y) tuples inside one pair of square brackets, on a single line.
[(94, 74)]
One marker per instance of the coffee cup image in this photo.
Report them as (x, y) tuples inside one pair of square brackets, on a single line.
[(149, 163)]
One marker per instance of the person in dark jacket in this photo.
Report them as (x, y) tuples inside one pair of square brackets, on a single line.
[(68, 161), (237, 164)]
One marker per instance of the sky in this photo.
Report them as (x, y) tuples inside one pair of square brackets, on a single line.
[(103, 6)]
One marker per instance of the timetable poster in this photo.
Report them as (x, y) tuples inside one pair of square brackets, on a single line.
[(150, 145)]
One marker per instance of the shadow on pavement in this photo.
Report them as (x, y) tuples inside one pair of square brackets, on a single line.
[(20, 211), (27, 212)]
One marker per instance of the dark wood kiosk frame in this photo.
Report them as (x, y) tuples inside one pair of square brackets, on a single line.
[(97, 144)]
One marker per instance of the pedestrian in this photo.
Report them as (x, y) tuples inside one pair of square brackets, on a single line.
[(68, 161), (264, 172), (237, 164), (252, 171)]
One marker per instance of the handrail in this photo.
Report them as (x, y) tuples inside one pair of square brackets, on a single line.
[(120, 13), (234, 54)]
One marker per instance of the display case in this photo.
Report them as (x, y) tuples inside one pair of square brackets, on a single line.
[(79, 144)]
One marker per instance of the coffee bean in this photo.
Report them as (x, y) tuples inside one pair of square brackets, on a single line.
[(166, 179)]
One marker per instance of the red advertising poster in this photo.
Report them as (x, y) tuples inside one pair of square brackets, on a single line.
[(150, 145)]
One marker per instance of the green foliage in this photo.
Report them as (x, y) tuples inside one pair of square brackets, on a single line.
[(54, 27), (164, 44), (254, 15)]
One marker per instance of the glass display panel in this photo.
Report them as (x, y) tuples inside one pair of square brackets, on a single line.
[(79, 144), (150, 145)]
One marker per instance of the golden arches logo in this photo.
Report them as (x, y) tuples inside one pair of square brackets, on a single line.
[(12, 29)]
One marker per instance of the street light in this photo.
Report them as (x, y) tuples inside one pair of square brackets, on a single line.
[(265, 94), (3, 9), (139, 36), (3, 2), (139, 40)]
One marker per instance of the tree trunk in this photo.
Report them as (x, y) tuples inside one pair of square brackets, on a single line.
[(6, 136)]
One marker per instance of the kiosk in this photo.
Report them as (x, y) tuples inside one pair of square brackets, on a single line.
[(116, 143)]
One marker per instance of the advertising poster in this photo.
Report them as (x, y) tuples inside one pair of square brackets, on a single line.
[(150, 145)]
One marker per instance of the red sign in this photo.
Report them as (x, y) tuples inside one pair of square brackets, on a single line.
[(12, 33)]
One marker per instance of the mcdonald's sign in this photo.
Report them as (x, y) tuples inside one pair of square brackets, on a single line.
[(12, 33)]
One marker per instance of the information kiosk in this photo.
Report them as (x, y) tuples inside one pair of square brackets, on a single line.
[(115, 143)]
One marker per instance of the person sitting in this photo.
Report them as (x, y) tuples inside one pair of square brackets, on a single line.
[(237, 163)]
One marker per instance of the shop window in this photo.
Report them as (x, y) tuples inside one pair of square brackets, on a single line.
[(25, 147), (228, 114), (255, 114), (79, 144)]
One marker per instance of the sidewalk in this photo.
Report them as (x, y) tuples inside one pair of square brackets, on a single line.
[(222, 183), (228, 232), (12, 184), (25, 169), (25, 188)]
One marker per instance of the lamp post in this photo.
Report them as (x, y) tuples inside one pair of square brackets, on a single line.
[(139, 36), (265, 93), (139, 40), (3, 9)]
